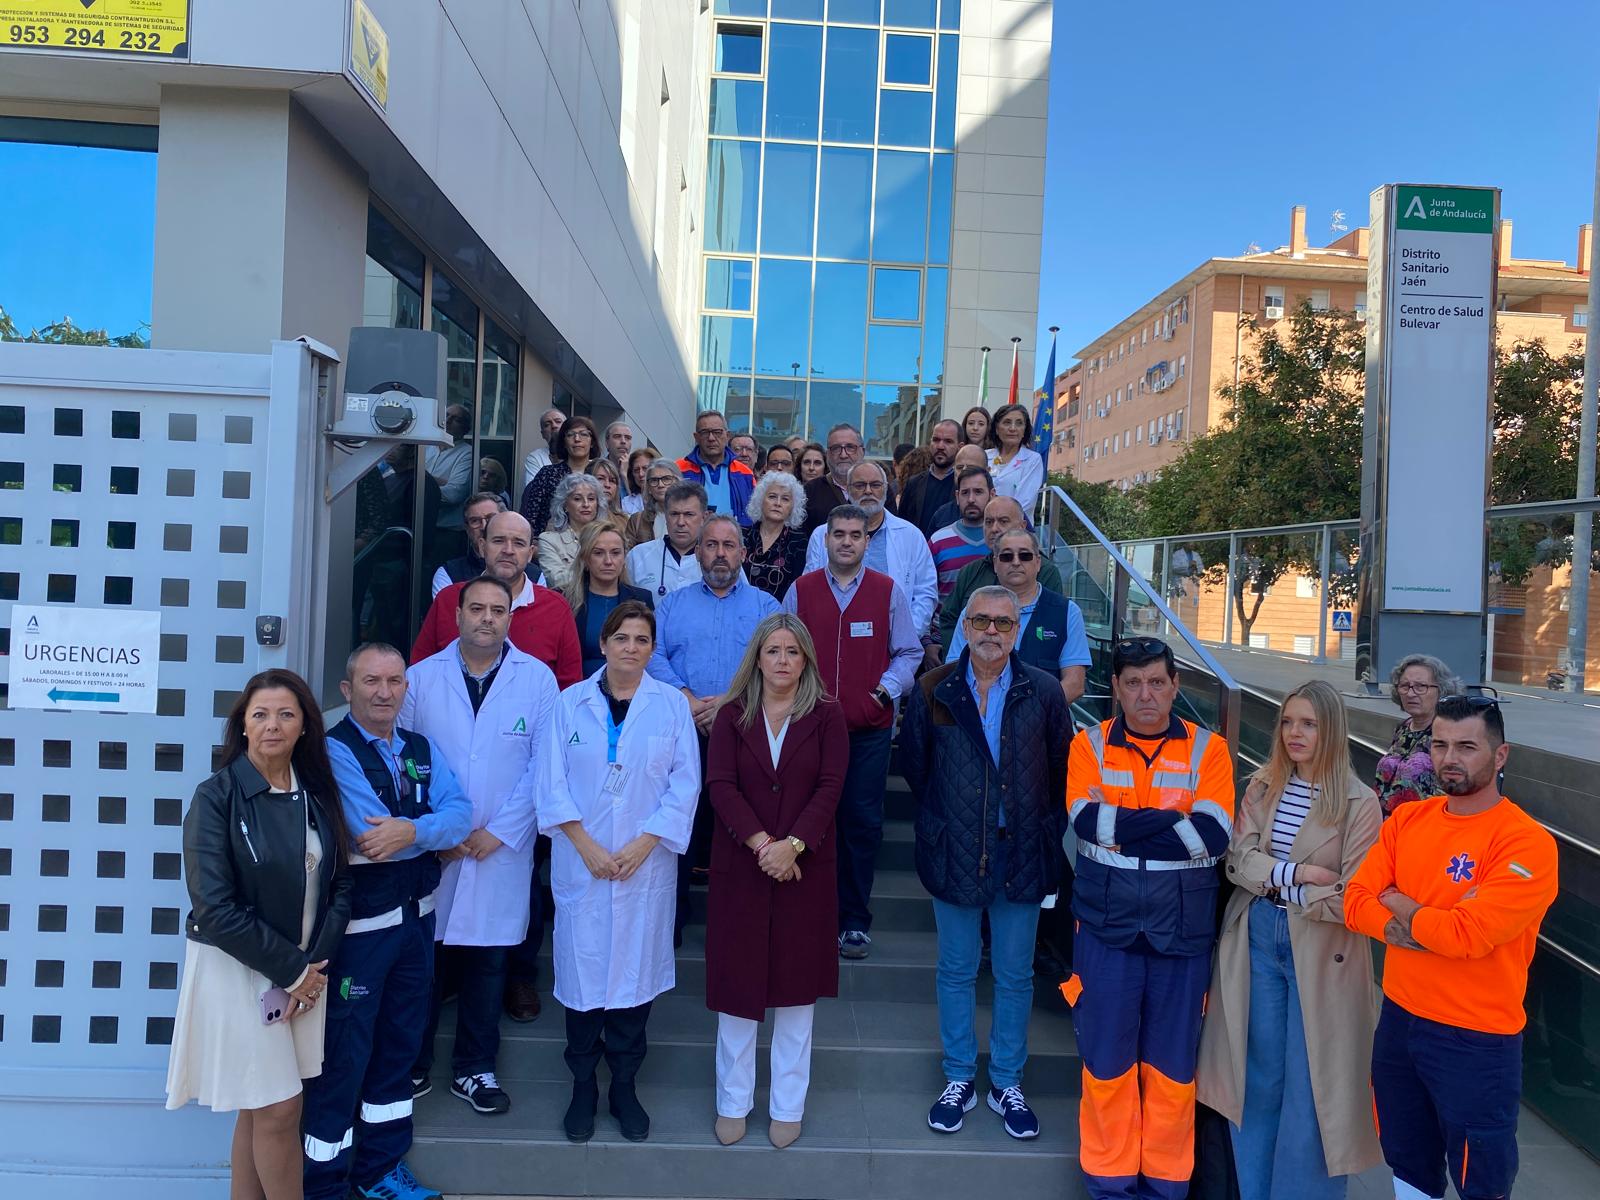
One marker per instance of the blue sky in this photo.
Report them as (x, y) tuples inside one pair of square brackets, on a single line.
[(76, 238), (1179, 132)]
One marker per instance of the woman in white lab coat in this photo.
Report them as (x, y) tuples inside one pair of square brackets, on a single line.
[(619, 781), (483, 897)]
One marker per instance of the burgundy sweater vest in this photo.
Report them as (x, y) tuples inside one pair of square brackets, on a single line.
[(852, 646)]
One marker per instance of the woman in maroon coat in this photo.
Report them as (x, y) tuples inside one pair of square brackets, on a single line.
[(776, 762)]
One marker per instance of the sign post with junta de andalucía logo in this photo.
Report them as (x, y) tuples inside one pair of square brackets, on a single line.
[(1425, 467), (100, 658)]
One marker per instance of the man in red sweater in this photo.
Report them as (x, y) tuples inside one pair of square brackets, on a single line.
[(541, 620), (1457, 886)]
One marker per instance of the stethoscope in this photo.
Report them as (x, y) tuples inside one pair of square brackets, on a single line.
[(661, 589)]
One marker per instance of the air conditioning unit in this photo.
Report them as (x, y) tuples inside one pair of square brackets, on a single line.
[(1155, 438), (1274, 312)]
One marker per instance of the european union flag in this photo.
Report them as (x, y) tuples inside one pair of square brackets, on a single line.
[(1044, 415)]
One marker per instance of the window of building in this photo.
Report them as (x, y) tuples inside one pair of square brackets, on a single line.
[(789, 190), (850, 85), (1260, 641), (1360, 306), (796, 10), (55, 260), (1138, 434), (392, 292), (1183, 365), (1304, 643), (735, 107), (1304, 587), (915, 14), (738, 50), (1319, 300), (1272, 299), (1580, 316), (1105, 445), (1144, 336), (896, 294), (794, 81), (907, 60), (729, 284)]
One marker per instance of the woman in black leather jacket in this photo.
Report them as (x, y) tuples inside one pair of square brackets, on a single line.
[(265, 855)]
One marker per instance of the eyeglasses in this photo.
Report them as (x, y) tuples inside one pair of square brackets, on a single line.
[(862, 486), (845, 448), (1141, 645), (984, 621), (1416, 689), (1015, 556)]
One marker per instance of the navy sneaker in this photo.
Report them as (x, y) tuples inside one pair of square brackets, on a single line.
[(399, 1184), (1019, 1119), (483, 1092), (421, 1085), (853, 943), (953, 1103)]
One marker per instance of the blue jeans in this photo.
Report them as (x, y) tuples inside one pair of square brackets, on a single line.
[(859, 822), (1011, 932), (1278, 1147)]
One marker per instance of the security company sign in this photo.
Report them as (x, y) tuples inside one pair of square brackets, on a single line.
[(1439, 322), (101, 658), (145, 27)]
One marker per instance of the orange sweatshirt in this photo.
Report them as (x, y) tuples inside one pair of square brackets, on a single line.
[(1484, 883)]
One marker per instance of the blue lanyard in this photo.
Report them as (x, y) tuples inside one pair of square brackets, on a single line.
[(613, 733)]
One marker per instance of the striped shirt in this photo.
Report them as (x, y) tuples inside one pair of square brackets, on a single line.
[(953, 547), (1294, 806)]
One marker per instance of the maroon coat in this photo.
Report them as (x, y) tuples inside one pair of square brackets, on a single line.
[(769, 944)]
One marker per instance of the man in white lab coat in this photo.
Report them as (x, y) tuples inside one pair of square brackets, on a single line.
[(484, 705)]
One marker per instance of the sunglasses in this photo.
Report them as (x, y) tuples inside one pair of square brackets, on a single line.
[(1141, 645), (984, 621), (1015, 556), (1480, 697)]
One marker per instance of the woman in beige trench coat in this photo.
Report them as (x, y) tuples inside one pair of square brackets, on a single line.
[(1304, 826)]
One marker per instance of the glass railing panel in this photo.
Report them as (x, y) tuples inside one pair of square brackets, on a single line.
[(1195, 585), (1530, 603)]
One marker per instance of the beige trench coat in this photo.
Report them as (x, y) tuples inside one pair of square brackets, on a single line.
[(1332, 966)]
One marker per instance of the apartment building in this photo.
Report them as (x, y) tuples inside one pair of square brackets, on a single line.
[(1153, 380)]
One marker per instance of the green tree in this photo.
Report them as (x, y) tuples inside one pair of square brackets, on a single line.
[(1287, 451), (65, 333), (1116, 513), (1537, 400)]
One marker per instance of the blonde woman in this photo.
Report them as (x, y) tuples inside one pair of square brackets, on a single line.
[(1287, 1040), (599, 583), (775, 767), (650, 522)]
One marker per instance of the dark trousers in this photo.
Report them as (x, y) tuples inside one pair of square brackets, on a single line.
[(615, 1034), (859, 822), (357, 1113), (478, 975), (699, 845), (522, 960), (1447, 1097)]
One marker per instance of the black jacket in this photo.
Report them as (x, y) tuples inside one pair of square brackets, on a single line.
[(244, 856), (945, 759)]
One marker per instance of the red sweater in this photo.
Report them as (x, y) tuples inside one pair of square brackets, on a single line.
[(852, 646), (543, 628)]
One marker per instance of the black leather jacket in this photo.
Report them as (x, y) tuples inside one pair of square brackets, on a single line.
[(244, 856)]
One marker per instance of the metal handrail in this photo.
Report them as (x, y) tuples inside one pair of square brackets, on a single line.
[(1126, 573)]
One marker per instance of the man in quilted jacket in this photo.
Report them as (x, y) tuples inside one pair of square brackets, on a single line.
[(983, 746)]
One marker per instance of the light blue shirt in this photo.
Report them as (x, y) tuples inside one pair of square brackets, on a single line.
[(715, 481), (1074, 647), (701, 636), (992, 716), (877, 556), (445, 827), (905, 647)]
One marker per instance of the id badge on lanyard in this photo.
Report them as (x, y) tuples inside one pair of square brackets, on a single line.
[(616, 774)]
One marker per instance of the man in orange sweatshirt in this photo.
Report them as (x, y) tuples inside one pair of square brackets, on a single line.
[(1456, 885)]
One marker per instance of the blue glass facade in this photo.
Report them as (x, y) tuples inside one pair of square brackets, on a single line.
[(829, 183)]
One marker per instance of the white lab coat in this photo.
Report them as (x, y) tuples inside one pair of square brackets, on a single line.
[(613, 941), (650, 567), (495, 755)]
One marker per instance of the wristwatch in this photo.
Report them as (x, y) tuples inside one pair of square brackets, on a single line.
[(881, 695), (799, 846)]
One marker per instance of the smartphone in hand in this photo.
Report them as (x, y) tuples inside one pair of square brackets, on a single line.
[(275, 1004)]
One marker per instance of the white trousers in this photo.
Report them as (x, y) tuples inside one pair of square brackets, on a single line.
[(791, 1063)]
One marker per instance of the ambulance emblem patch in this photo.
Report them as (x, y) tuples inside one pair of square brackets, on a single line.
[(1461, 868)]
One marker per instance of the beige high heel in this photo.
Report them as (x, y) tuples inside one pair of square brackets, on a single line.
[(784, 1133), (729, 1130)]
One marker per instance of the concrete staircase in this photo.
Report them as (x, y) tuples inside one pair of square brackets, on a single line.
[(875, 1070)]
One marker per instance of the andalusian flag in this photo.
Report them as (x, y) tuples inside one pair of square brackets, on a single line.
[(983, 380)]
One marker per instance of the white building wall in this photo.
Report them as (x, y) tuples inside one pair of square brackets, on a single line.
[(1001, 118)]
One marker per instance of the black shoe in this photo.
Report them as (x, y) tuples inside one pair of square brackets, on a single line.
[(421, 1085), (955, 1102), (483, 1092), (630, 1114), (579, 1121)]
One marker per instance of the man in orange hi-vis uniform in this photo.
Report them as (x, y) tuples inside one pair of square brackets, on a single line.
[(1457, 886), (1151, 800)]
